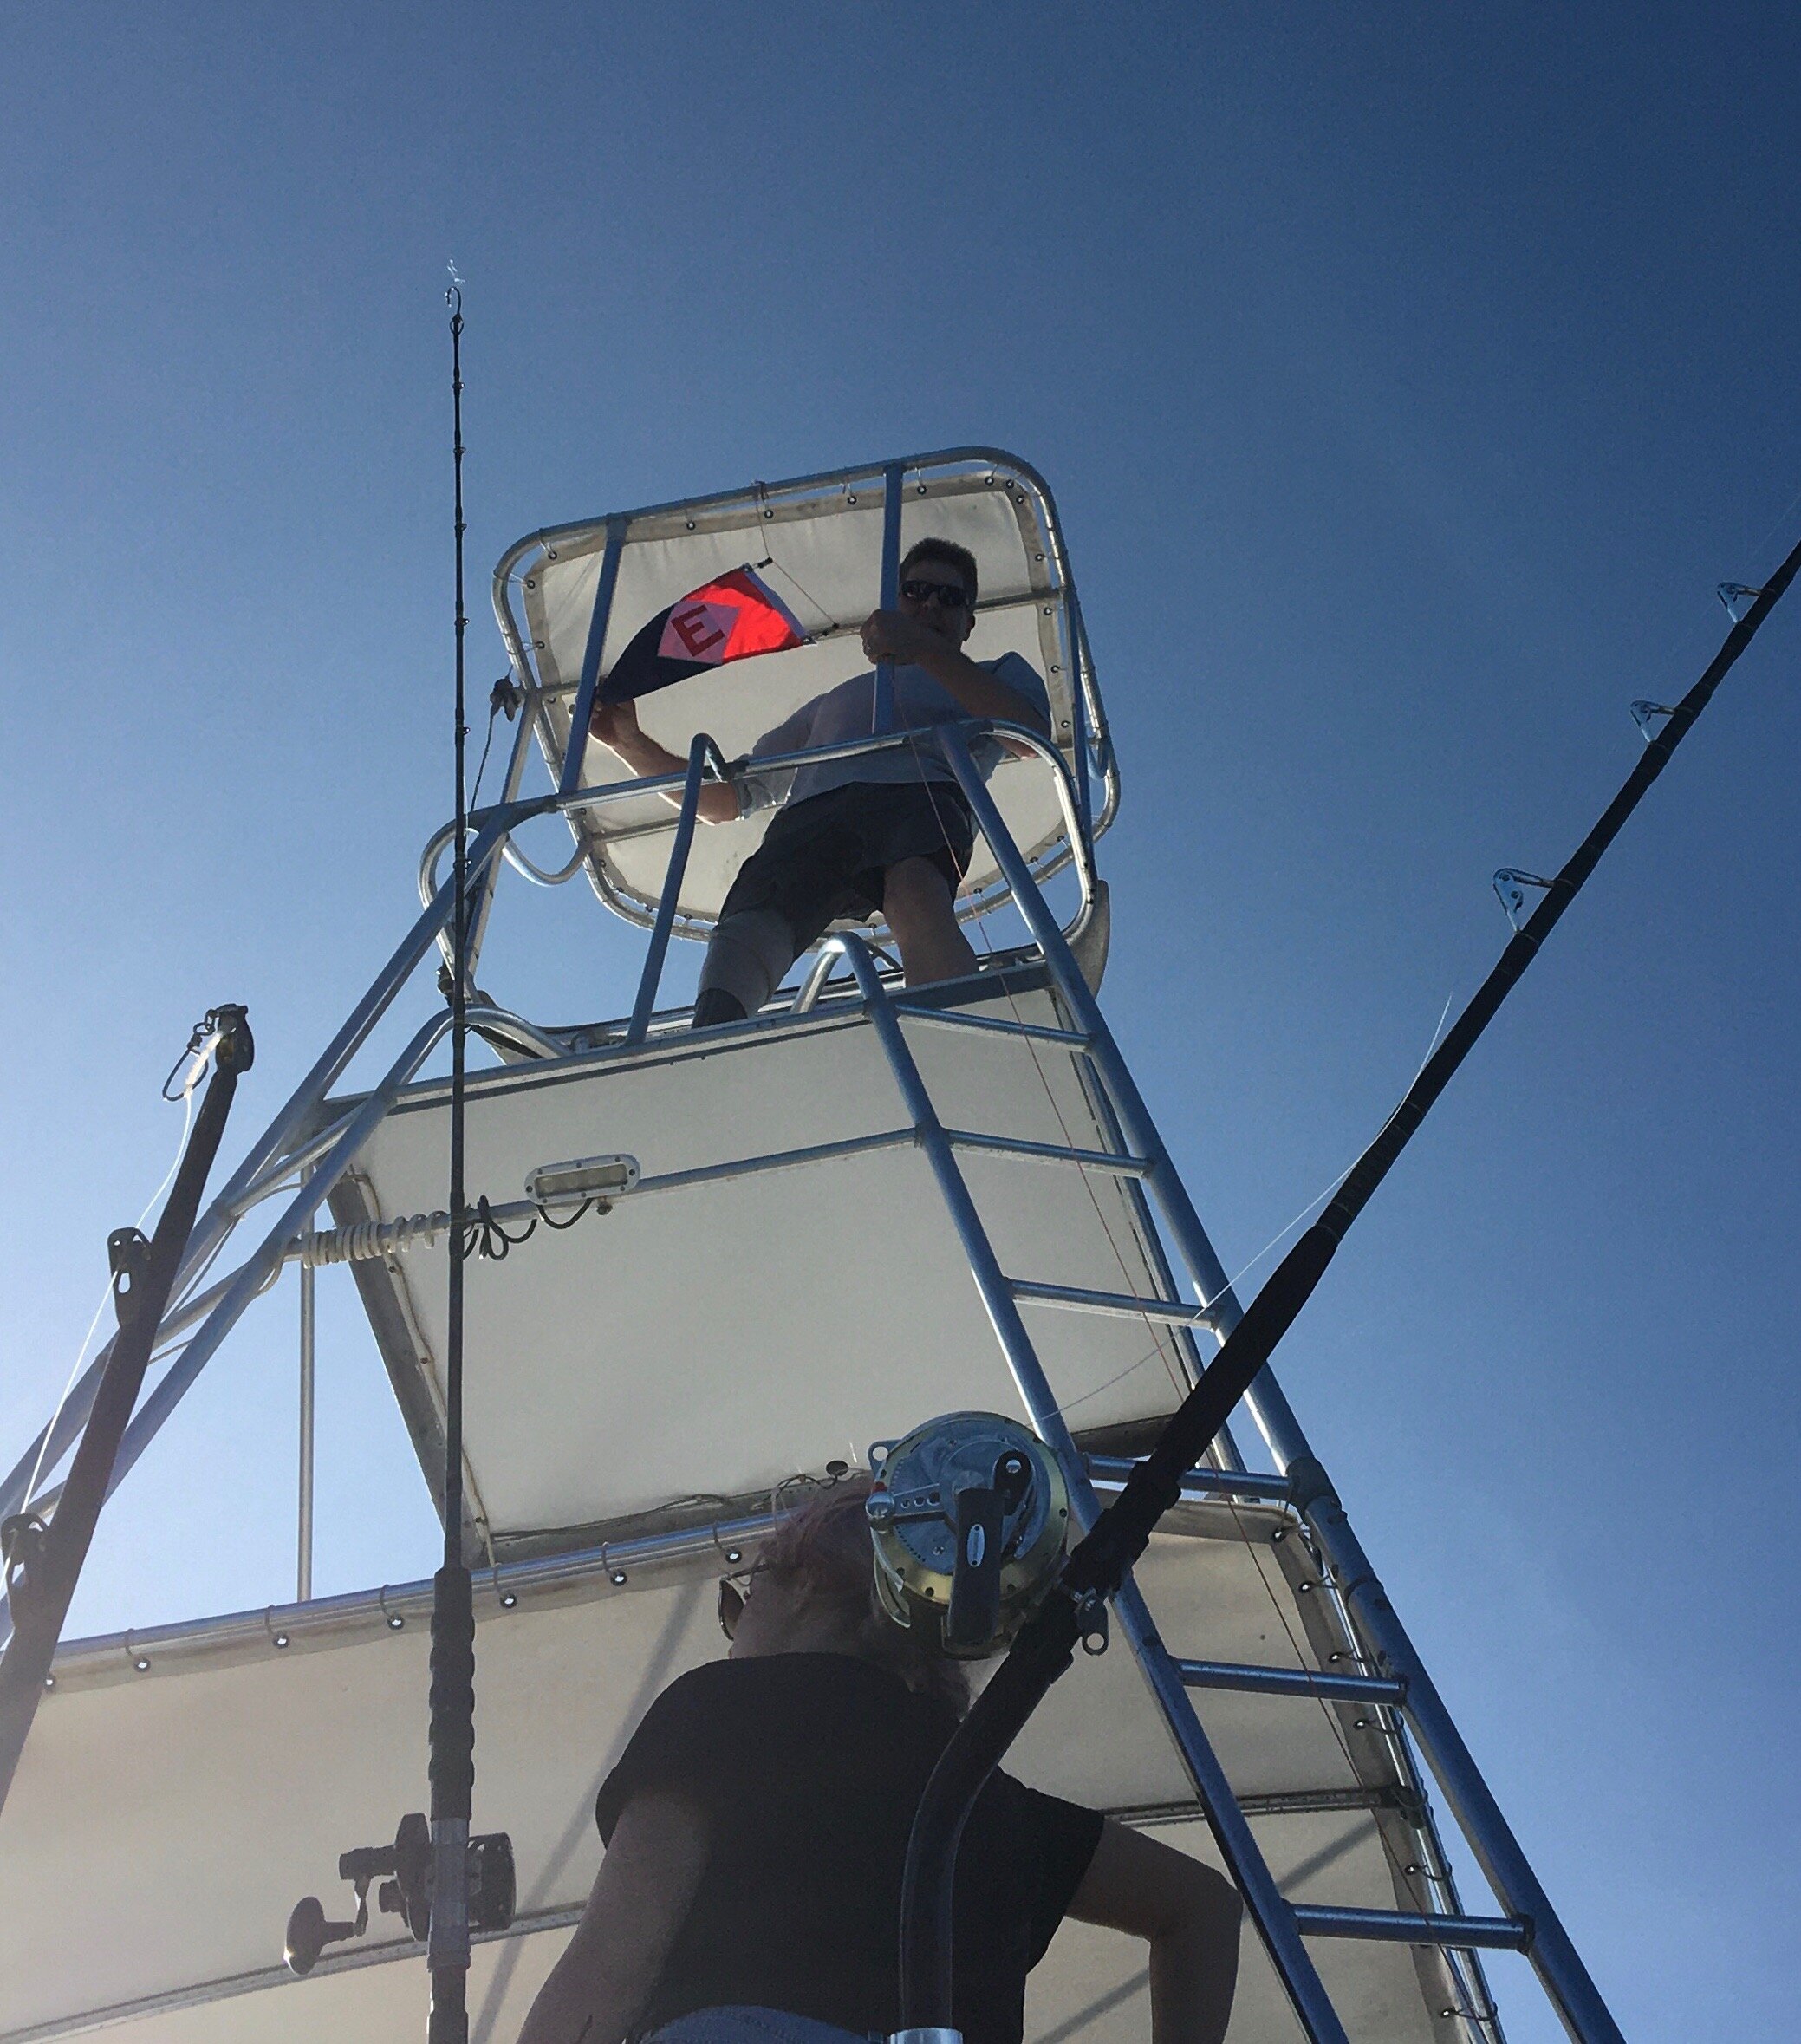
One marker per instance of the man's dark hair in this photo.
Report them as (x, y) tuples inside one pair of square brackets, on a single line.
[(951, 556)]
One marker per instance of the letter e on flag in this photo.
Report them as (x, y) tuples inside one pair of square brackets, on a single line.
[(697, 631)]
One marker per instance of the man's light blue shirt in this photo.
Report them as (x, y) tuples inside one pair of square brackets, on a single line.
[(847, 711)]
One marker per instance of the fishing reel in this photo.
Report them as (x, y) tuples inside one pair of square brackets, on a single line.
[(404, 1870), (969, 1514)]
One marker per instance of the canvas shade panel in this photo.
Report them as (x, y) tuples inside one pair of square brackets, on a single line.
[(717, 1338), (818, 545), (172, 1819)]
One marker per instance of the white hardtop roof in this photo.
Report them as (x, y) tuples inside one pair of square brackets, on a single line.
[(171, 1818), (714, 1336), (818, 540)]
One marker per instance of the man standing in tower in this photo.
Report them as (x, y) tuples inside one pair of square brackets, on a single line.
[(887, 831)]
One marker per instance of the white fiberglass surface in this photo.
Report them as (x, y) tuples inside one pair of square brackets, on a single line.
[(718, 1339), (821, 551), (171, 1819)]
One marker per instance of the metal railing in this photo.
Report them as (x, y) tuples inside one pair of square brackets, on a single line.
[(1553, 1957)]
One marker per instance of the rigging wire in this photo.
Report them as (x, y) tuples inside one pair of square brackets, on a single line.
[(502, 696)]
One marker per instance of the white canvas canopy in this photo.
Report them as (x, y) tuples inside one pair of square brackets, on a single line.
[(818, 544), (171, 1818), (716, 1336)]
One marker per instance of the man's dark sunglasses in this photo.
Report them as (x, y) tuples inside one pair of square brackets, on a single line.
[(948, 596)]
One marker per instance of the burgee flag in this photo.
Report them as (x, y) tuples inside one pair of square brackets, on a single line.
[(733, 617)]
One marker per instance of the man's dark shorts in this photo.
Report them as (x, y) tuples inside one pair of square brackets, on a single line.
[(829, 856)]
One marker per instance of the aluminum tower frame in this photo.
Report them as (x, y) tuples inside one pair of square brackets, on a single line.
[(304, 1155)]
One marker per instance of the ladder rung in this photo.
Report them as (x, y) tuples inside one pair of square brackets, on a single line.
[(1388, 1926), (1052, 1153), (1121, 1303), (1290, 1682), (1109, 1472), (950, 1018)]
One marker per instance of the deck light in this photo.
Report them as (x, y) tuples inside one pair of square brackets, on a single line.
[(280, 1640), (507, 1600), (619, 1576), (395, 1621), (141, 1665), (601, 1179)]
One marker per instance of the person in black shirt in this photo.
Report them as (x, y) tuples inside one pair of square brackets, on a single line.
[(756, 1825)]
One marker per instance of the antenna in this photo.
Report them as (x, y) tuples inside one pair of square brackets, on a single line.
[(452, 1766)]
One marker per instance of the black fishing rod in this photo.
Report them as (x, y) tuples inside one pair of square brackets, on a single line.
[(452, 1765), (1098, 1565), (44, 1562), (441, 1882)]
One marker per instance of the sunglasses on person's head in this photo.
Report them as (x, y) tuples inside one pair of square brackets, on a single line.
[(735, 1594), (948, 596)]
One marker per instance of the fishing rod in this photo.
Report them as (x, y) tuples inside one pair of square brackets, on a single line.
[(452, 1766), (438, 1879), (44, 1562), (1097, 1568)]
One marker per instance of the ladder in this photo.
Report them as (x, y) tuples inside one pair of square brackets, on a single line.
[(1400, 1685)]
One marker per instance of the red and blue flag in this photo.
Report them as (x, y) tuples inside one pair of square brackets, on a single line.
[(735, 616)]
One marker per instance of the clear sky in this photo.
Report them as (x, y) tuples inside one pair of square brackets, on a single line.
[(1407, 378)]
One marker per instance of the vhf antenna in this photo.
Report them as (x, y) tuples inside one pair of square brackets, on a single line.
[(452, 1766)]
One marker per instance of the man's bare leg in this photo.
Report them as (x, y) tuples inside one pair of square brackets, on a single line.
[(917, 905)]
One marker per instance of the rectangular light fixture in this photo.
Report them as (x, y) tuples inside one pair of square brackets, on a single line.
[(583, 1178)]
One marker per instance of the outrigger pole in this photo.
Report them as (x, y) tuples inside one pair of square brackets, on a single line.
[(43, 1563), (452, 1765), (1098, 1565)]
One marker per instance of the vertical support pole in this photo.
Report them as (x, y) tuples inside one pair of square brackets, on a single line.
[(701, 753), (577, 746), (1079, 718), (489, 878), (893, 482), (303, 1562), (1552, 1954), (1274, 1920)]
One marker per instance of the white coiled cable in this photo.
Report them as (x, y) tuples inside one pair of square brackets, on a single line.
[(362, 1241)]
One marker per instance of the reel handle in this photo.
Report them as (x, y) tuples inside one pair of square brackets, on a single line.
[(310, 1930)]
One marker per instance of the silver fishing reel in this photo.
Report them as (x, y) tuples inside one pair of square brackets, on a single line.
[(969, 1515)]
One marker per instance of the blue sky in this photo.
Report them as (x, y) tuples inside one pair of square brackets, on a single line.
[(1408, 381)]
